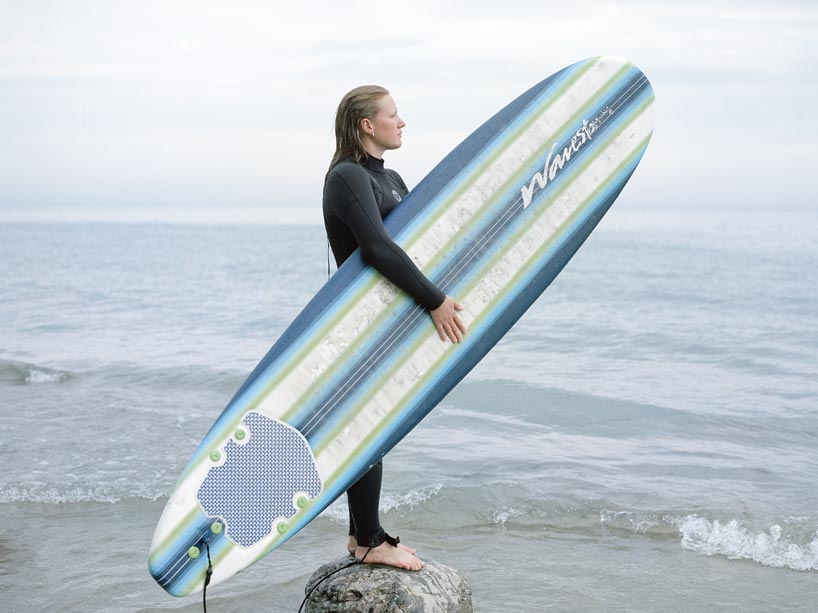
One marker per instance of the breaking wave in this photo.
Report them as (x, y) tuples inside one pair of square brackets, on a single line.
[(22, 373), (737, 542), (338, 511)]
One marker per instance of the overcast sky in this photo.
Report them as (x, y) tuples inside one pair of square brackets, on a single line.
[(177, 104)]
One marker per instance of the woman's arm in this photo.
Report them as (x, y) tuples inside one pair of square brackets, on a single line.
[(350, 187)]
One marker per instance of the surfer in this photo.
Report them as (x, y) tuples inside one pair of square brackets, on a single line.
[(359, 192)]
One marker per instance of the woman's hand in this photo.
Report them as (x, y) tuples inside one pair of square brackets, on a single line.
[(448, 322)]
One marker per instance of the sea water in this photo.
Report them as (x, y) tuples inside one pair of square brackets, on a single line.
[(644, 439)]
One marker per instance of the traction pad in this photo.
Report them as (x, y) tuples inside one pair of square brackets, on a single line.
[(259, 479)]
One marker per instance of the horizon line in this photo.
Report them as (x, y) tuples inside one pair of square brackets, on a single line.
[(273, 215)]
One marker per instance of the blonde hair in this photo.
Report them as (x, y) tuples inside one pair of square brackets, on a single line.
[(359, 103)]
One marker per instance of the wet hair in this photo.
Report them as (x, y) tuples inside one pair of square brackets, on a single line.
[(359, 103)]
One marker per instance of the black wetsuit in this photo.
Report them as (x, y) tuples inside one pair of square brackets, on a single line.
[(357, 198)]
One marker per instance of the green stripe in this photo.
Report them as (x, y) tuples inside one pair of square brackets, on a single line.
[(574, 174), (524, 270), (469, 180), (517, 177), (348, 355)]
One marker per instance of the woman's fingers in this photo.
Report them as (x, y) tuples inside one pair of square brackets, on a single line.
[(447, 321), (451, 332), (461, 327), (455, 330)]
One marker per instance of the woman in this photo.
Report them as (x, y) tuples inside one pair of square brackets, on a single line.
[(358, 194)]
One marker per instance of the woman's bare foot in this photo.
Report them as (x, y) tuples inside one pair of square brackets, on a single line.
[(405, 548), (399, 557), (352, 545)]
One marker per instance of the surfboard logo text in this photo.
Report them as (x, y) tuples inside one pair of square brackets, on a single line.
[(555, 163)]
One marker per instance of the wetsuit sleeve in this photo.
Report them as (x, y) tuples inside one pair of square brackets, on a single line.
[(359, 211)]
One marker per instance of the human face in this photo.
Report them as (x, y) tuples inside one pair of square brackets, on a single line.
[(386, 127)]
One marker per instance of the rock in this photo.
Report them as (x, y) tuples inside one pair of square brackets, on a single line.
[(372, 588)]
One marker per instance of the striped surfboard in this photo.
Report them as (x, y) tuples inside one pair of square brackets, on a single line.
[(492, 225)]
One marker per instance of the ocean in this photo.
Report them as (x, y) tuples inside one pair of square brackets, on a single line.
[(644, 439)]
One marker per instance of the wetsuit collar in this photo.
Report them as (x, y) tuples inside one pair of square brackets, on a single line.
[(374, 164)]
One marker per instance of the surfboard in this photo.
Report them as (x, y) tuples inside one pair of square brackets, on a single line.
[(492, 225)]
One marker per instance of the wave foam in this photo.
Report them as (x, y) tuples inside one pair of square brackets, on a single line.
[(338, 511), (21, 373), (500, 517), (44, 494), (736, 542), (38, 375), (638, 522)]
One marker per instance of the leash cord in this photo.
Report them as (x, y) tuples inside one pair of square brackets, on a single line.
[(208, 573), (337, 570)]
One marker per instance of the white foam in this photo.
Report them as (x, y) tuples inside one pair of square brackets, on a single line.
[(633, 521), (37, 375), (21, 372), (501, 517), (338, 511), (737, 542), (44, 494), (410, 499)]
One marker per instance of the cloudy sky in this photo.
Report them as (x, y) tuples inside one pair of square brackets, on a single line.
[(184, 105)]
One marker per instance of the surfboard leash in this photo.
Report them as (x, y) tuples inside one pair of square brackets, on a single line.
[(208, 573), (337, 570)]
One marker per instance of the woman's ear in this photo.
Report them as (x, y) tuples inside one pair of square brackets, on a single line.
[(366, 126)]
